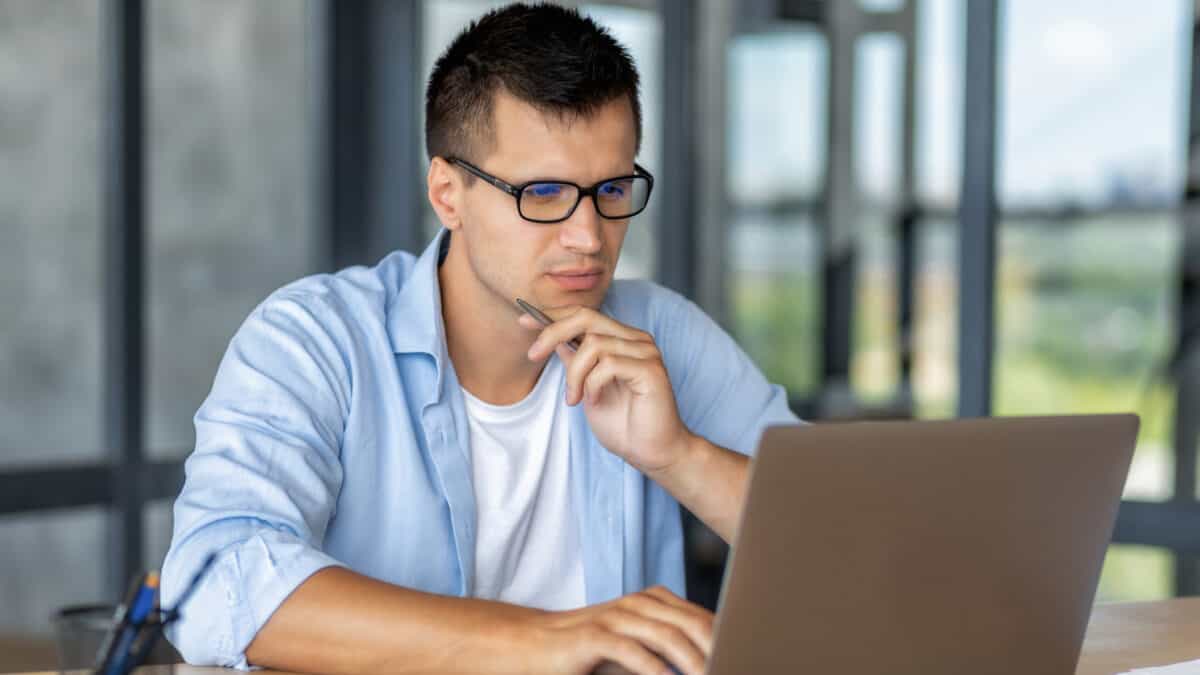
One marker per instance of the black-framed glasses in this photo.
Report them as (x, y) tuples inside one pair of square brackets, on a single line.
[(553, 201)]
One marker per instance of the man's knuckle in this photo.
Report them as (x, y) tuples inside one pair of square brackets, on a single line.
[(671, 634), (639, 602)]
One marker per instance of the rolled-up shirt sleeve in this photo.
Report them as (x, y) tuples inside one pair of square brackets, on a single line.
[(263, 481)]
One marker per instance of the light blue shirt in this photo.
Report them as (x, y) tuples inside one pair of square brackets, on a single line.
[(336, 434)]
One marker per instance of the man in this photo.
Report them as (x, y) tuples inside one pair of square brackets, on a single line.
[(401, 471)]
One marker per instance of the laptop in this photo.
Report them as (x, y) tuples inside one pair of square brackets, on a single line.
[(931, 548)]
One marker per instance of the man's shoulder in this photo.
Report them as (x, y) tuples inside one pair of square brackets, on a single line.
[(352, 296), (650, 307), (641, 297)]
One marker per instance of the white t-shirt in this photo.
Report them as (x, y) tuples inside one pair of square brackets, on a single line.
[(527, 547)]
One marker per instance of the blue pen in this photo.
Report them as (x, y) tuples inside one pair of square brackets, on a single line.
[(119, 621), (152, 630), (138, 611)]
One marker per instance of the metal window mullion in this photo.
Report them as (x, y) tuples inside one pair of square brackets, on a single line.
[(364, 107), (907, 218), (713, 23), (977, 211), (124, 258), (397, 92), (677, 249), (1187, 358), (840, 231), (41, 489)]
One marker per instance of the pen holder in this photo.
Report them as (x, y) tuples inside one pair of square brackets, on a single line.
[(80, 631)]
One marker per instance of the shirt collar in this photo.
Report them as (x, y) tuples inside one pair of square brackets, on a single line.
[(414, 314)]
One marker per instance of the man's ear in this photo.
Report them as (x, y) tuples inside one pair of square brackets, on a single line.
[(445, 189)]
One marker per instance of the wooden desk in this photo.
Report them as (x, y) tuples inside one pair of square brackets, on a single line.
[(1138, 635), (1120, 637)]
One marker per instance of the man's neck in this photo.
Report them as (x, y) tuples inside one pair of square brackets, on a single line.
[(485, 342)]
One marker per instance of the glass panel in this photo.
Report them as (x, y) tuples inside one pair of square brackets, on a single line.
[(229, 218), (881, 5), (1058, 145), (1084, 327), (879, 83), (939, 85), (878, 95), (50, 561), (938, 150), (51, 283), (776, 153), (1135, 573), (935, 317), (641, 33)]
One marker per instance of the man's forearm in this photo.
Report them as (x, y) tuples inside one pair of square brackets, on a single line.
[(339, 621), (709, 481)]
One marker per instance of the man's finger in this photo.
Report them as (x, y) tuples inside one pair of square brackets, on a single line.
[(633, 372), (693, 620), (580, 322), (594, 348), (663, 638), (631, 655), (664, 594)]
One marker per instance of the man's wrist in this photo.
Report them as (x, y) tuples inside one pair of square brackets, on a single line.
[(708, 480), (689, 452)]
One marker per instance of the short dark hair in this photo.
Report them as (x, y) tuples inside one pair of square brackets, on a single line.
[(545, 55)]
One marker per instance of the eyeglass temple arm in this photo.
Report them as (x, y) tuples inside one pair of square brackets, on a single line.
[(478, 173)]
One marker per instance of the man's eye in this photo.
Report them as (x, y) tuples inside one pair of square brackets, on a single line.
[(612, 190), (544, 190)]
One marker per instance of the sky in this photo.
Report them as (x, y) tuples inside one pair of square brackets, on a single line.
[(1090, 93)]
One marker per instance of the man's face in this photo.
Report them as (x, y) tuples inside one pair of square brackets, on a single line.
[(550, 265)]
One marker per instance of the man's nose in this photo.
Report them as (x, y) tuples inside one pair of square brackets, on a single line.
[(581, 232)]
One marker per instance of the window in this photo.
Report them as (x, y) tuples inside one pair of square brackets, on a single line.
[(1091, 141), (228, 219), (878, 114), (51, 291), (776, 152), (50, 560), (1083, 324), (938, 159)]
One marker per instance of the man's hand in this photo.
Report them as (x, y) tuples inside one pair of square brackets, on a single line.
[(639, 633), (619, 375)]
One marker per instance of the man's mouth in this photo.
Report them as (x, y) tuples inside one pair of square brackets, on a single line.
[(578, 279)]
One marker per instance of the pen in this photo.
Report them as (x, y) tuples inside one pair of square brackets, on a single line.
[(142, 605), (541, 318), (119, 621), (152, 629), (146, 638)]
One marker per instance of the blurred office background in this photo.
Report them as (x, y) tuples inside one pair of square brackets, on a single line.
[(827, 171)]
